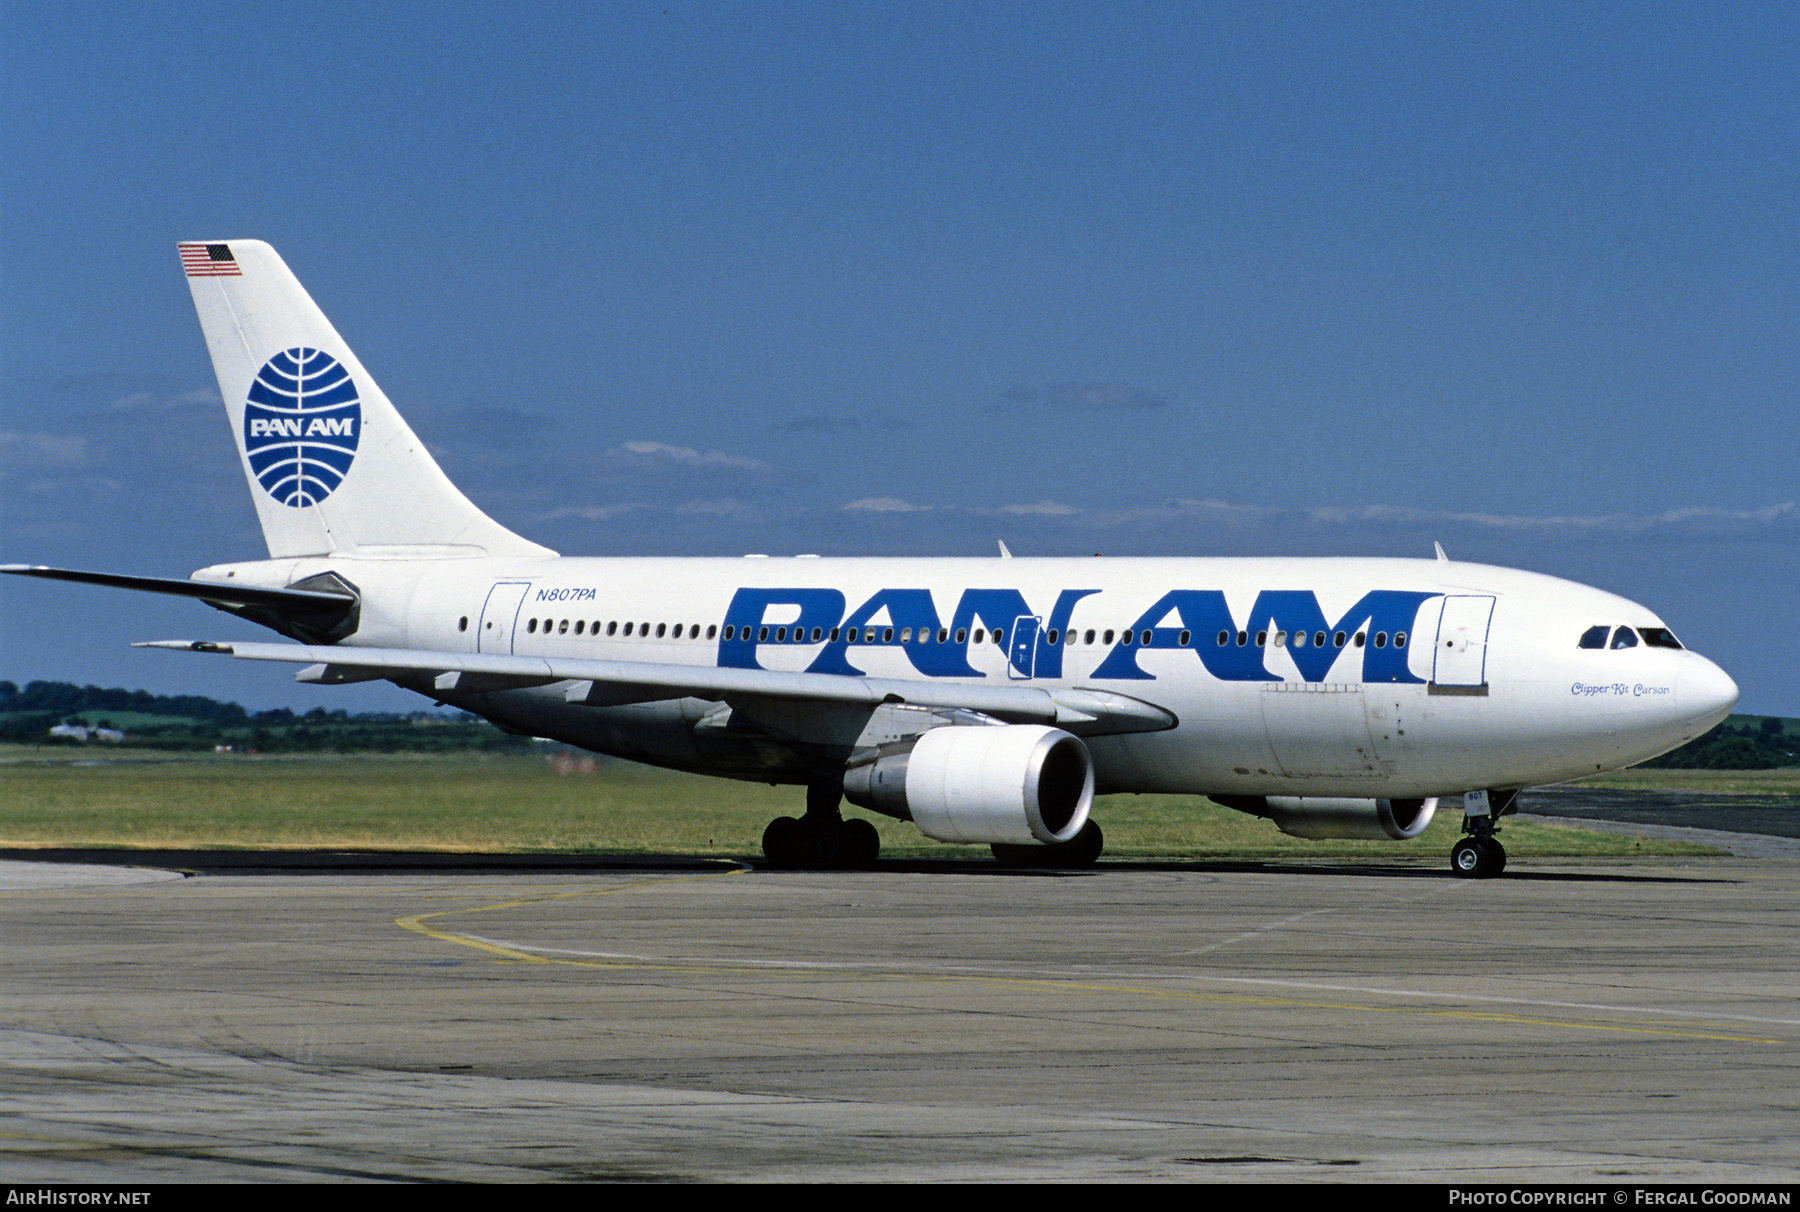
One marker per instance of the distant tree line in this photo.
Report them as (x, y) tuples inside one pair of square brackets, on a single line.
[(194, 722), (66, 697), (1736, 744)]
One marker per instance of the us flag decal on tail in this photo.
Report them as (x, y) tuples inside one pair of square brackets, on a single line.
[(209, 261)]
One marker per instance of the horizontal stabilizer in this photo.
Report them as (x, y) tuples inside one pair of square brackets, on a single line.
[(207, 591)]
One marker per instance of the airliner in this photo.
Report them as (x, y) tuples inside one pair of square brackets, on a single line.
[(987, 700)]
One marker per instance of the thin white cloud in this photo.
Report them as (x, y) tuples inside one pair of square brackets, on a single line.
[(1086, 395), (1690, 516), (721, 506), (1048, 509), (87, 488), (41, 451), (1217, 513), (591, 513), (886, 505), (694, 458), (162, 401)]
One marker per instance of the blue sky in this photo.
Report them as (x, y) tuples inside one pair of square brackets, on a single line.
[(854, 279)]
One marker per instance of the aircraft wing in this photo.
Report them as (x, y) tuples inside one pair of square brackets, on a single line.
[(1081, 711)]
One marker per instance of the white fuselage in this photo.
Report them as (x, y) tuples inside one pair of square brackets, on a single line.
[(1285, 677)]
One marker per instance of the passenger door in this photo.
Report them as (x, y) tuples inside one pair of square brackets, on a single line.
[(499, 616), (1460, 657)]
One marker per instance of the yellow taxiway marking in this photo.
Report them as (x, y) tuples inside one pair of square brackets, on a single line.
[(417, 922), (504, 951)]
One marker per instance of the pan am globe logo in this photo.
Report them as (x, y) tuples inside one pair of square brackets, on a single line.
[(302, 420)]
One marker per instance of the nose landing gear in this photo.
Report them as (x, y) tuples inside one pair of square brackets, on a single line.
[(1478, 857), (1480, 854)]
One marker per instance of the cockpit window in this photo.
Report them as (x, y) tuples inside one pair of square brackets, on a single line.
[(1627, 637)]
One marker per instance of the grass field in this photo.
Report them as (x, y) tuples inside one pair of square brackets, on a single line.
[(525, 803)]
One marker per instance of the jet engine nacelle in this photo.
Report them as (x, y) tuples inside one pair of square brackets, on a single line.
[(1016, 784), (1319, 818)]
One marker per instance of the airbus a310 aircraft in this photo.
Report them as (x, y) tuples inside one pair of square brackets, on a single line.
[(986, 700)]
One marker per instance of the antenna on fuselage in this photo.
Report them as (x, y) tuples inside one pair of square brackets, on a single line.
[(1442, 558)]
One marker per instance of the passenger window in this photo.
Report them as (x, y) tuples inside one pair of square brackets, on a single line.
[(530, 626), (1051, 637), (1319, 639), (712, 630), (562, 628), (1594, 637), (1087, 637), (1108, 637), (1399, 639), (943, 635), (1381, 639), (1299, 639), (659, 631), (579, 624), (1359, 638), (463, 624), (1262, 639), (1624, 637), (781, 635), (981, 635), (1337, 641), (1183, 638), (1280, 639), (1144, 638), (762, 635), (612, 628)]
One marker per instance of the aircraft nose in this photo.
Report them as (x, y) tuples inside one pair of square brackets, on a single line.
[(1705, 692)]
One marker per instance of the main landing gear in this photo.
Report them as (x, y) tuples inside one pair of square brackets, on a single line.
[(822, 839)]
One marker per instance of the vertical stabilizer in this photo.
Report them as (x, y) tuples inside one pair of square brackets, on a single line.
[(332, 467)]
